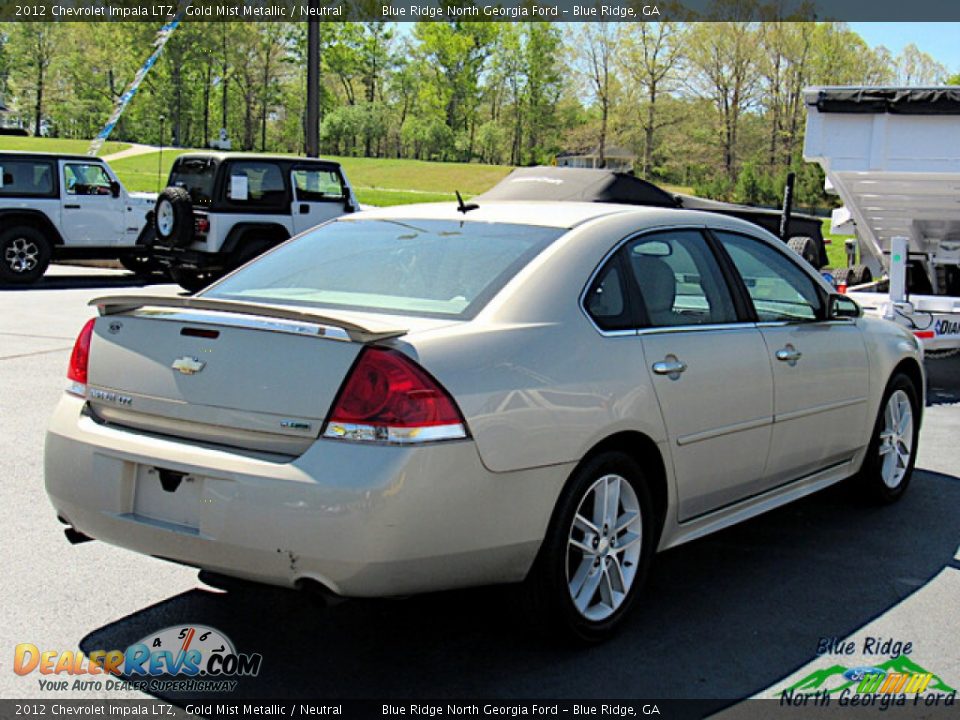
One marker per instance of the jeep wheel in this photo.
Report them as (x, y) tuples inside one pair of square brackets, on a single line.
[(173, 217), (191, 280), (24, 254)]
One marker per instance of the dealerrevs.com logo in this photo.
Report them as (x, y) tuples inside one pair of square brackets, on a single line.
[(180, 658)]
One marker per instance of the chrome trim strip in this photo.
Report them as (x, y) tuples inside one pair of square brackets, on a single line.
[(797, 414), (713, 327), (248, 322), (796, 323), (725, 430)]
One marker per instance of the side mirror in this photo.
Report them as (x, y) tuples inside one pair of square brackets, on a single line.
[(115, 188), (348, 205), (840, 307)]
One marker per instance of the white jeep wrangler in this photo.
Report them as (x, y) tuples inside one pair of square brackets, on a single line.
[(220, 210), (67, 207)]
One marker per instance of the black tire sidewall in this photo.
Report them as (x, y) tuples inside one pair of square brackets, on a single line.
[(806, 247), (181, 234), (7, 275), (548, 598), (870, 479)]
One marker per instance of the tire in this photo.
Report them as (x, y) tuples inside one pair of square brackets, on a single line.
[(841, 276), (806, 248), (191, 280), (860, 275), (579, 548), (24, 254), (173, 217), (886, 473)]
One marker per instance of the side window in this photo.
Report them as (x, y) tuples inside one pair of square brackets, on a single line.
[(606, 300), (317, 184), (679, 280), (82, 179), (26, 178), (780, 291), (255, 183)]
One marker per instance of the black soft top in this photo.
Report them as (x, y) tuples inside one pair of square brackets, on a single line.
[(577, 185), (894, 100)]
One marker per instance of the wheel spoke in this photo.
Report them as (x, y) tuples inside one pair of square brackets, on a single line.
[(587, 590), (580, 577), (585, 524), (606, 590), (616, 573), (627, 541), (625, 521), (582, 547), (612, 502)]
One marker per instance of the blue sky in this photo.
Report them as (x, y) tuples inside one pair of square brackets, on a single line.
[(940, 40)]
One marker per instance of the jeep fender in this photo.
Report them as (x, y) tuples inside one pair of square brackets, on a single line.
[(33, 218)]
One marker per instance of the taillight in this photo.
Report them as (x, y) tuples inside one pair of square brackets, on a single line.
[(79, 360), (202, 225), (387, 397)]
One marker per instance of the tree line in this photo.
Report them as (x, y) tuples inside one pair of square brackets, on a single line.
[(713, 105)]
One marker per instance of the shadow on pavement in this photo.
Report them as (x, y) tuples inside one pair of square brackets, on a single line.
[(81, 281), (722, 618)]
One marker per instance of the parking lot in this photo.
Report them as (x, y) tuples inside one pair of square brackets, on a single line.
[(724, 618)]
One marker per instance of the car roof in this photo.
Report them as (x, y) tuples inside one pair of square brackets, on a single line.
[(26, 155), (221, 156), (566, 215)]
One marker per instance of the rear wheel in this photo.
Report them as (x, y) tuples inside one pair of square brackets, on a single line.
[(24, 254), (595, 556), (806, 248), (888, 467)]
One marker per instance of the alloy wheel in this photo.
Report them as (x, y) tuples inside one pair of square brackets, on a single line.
[(21, 255), (603, 547), (896, 439)]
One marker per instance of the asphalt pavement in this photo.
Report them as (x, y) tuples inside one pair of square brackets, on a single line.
[(730, 616)]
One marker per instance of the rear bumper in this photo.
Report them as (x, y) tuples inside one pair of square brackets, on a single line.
[(361, 520)]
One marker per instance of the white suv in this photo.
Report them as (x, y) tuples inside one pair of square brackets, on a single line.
[(67, 207), (220, 210)]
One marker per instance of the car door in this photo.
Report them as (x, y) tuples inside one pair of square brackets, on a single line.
[(319, 195), (708, 367), (91, 215), (820, 366)]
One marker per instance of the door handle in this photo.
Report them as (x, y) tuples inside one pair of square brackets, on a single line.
[(789, 355), (71, 207), (304, 209), (670, 366)]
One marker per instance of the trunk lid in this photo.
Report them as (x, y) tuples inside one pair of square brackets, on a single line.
[(258, 377)]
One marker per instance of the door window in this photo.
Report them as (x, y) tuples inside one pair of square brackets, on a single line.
[(84, 179), (317, 184), (606, 301), (679, 281), (779, 289)]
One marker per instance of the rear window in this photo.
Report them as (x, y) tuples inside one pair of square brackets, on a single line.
[(33, 178), (195, 175), (432, 268)]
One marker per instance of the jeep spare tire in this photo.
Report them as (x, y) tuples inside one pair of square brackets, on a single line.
[(173, 217)]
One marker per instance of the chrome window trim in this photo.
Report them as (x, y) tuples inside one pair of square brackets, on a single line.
[(706, 327), (603, 263)]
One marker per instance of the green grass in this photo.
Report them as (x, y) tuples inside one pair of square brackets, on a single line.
[(836, 252), (56, 145)]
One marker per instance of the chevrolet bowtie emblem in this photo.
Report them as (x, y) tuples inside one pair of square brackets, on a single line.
[(188, 365)]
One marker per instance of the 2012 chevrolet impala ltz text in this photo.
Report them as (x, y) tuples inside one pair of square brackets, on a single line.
[(427, 397)]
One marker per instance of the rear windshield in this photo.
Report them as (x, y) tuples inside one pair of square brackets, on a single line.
[(432, 268), (195, 175)]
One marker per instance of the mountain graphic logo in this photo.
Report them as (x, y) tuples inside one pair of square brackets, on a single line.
[(900, 674)]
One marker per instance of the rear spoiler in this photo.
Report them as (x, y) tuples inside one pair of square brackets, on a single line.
[(329, 326)]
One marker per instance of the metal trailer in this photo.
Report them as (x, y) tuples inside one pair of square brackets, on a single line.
[(892, 155)]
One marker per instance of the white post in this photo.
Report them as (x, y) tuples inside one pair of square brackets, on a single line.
[(898, 269)]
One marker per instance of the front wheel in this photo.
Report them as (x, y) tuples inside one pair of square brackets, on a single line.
[(892, 452), (595, 556)]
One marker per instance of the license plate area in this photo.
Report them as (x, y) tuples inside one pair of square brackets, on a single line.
[(168, 496)]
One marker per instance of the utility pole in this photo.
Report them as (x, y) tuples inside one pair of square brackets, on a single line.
[(313, 86)]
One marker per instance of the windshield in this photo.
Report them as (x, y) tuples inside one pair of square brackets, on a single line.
[(432, 268), (195, 175)]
